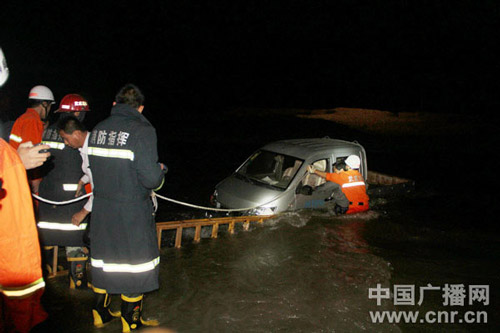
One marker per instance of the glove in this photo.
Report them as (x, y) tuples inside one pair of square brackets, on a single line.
[(311, 169)]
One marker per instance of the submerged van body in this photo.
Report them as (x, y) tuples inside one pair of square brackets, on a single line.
[(274, 179)]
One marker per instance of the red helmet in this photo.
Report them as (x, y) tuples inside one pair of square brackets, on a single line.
[(73, 103)]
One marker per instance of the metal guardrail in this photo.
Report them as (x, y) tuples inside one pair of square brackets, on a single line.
[(53, 269), (199, 223)]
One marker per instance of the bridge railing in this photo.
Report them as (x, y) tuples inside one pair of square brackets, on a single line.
[(197, 224)]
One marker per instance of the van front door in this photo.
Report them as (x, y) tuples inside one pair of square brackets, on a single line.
[(313, 190)]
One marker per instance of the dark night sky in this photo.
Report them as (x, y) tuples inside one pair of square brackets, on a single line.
[(436, 56)]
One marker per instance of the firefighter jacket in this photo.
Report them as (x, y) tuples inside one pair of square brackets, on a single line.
[(61, 174), (354, 187), (28, 127), (21, 281), (123, 158)]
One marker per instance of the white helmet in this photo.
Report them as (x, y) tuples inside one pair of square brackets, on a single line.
[(353, 161), (41, 93), (4, 70)]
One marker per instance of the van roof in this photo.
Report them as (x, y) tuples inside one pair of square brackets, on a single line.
[(303, 148)]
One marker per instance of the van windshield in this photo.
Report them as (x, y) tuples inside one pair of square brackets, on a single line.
[(270, 168)]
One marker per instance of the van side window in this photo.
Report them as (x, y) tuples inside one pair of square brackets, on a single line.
[(340, 159), (314, 180), (270, 168)]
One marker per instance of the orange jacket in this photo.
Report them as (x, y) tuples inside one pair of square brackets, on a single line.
[(28, 127), (20, 260), (354, 187)]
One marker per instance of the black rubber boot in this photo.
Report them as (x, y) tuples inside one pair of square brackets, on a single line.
[(101, 312), (78, 273), (132, 314)]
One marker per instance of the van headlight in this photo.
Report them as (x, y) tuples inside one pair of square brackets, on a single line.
[(263, 211)]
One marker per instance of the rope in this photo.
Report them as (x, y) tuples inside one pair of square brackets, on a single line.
[(61, 202), (155, 202), (153, 198), (215, 209), (221, 209)]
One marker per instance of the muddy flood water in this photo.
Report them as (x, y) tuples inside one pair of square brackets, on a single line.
[(432, 253)]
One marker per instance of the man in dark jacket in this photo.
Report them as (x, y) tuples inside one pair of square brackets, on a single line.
[(60, 182), (124, 162)]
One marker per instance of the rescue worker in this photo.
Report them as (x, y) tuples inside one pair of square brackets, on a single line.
[(352, 183), (76, 136), (60, 182), (341, 203), (30, 125), (125, 257), (21, 280)]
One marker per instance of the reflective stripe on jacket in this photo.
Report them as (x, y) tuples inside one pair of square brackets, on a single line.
[(61, 226)]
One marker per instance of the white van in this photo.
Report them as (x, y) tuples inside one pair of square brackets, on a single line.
[(274, 179)]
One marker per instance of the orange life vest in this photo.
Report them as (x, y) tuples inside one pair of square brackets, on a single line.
[(354, 187), (21, 281)]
